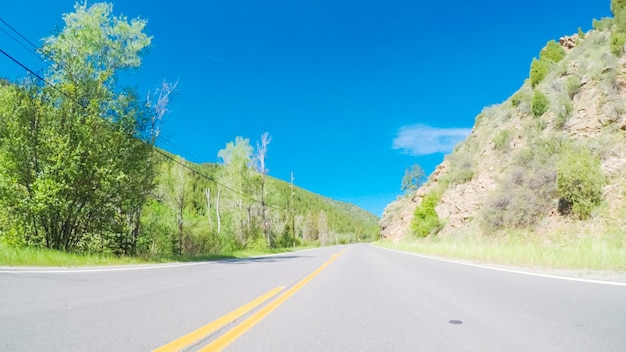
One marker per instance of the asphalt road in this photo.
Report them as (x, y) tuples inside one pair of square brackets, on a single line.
[(362, 299)]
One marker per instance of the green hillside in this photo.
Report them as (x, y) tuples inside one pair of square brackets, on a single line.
[(318, 220)]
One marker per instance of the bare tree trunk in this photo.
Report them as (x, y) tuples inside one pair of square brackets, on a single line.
[(207, 192), (293, 215), (261, 153), (217, 211)]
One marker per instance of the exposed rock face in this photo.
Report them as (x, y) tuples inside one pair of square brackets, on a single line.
[(568, 42), (587, 93)]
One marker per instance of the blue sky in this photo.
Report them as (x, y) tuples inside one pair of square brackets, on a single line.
[(352, 92)]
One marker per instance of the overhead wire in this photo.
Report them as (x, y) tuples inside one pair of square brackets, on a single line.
[(162, 153)]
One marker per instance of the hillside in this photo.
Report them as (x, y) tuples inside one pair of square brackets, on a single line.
[(549, 161), (182, 213)]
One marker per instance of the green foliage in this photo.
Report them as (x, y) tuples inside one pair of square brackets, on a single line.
[(539, 68), (525, 193), (618, 39), (553, 52), (572, 85), (540, 103), (603, 24), (502, 139), (517, 99), (538, 71), (75, 176), (618, 8), (412, 179), (579, 181), (581, 34), (425, 219), (94, 45)]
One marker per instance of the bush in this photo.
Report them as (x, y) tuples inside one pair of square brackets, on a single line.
[(603, 24), (538, 71), (553, 51), (579, 181), (618, 39), (618, 8), (525, 194), (572, 85), (565, 111), (540, 103), (425, 219), (517, 99), (502, 139)]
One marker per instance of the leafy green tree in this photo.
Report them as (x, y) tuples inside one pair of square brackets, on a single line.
[(412, 179), (236, 175), (72, 165)]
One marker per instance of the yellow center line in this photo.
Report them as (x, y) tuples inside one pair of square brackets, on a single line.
[(217, 324), (233, 334)]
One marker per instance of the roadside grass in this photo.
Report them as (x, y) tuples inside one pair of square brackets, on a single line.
[(560, 252), (20, 256), (24, 256)]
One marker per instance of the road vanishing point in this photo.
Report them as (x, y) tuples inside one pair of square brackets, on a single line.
[(343, 298)]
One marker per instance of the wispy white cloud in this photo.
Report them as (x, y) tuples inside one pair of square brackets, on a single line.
[(423, 140), (216, 59)]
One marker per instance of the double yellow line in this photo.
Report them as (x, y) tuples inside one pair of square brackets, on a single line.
[(233, 334)]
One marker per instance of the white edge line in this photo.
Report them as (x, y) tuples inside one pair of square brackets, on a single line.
[(60, 271), (591, 281)]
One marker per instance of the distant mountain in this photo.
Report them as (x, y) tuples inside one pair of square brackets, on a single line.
[(550, 159)]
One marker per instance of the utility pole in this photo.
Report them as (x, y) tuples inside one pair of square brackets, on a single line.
[(293, 217)]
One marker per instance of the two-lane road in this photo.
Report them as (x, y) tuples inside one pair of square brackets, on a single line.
[(346, 298)]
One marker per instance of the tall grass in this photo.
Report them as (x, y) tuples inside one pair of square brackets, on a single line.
[(558, 253), (24, 256)]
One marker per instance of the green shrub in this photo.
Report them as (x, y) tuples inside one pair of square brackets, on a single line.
[(425, 219), (540, 103), (565, 111), (618, 8), (579, 181), (538, 71), (502, 139), (572, 85), (517, 99), (618, 39), (553, 51), (603, 24), (581, 34)]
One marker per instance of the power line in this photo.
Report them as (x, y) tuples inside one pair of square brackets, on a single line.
[(39, 77), (18, 33), (212, 179)]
